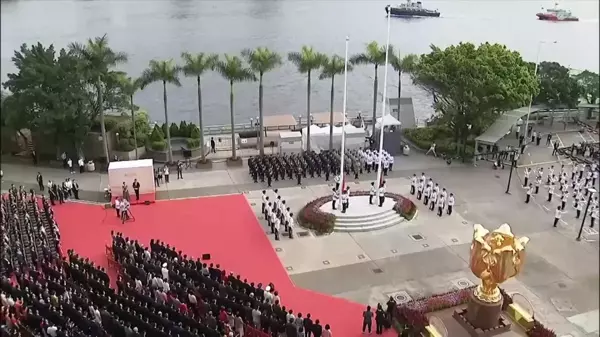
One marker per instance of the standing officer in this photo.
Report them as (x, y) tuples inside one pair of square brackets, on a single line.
[(136, 189), (372, 193), (382, 194), (40, 181)]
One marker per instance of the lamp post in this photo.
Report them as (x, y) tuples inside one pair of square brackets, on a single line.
[(591, 191), (512, 166), (537, 62), (385, 80)]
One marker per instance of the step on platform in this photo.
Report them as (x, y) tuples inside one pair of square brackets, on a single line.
[(362, 217)]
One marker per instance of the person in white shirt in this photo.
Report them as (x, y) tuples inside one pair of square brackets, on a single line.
[(369, 163), (334, 198), (529, 190), (538, 182), (265, 199), (166, 173), (550, 174), (550, 192), (431, 149), (593, 216), (440, 205), (70, 164), (277, 227), (124, 210), (426, 195), (291, 225), (433, 200), (420, 190), (557, 215), (450, 204), (526, 177), (165, 272), (386, 165), (381, 194), (81, 164), (372, 193), (337, 181), (118, 207), (391, 160), (272, 218), (345, 200), (413, 184), (563, 200), (52, 331), (579, 208)]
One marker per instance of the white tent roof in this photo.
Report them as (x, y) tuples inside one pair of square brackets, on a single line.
[(290, 134), (388, 120), (314, 129)]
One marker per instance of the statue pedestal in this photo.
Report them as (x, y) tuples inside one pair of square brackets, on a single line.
[(482, 319)]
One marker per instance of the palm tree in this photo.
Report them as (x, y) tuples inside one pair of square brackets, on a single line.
[(166, 72), (306, 61), (374, 54), (195, 66), (406, 64), (233, 69), (99, 59), (261, 60), (129, 87), (333, 66)]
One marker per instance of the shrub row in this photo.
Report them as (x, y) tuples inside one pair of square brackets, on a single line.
[(311, 216), (412, 315)]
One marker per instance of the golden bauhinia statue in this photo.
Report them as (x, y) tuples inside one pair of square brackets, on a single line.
[(496, 256)]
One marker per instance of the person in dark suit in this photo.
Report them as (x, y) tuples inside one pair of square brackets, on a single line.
[(136, 189)]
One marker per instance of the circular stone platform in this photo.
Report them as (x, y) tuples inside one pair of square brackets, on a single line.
[(362, 217)]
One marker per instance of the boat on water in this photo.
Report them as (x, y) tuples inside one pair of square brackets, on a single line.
[(411, 9), (556, 14)]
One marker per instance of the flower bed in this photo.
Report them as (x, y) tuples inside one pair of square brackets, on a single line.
[(311, 216), (413, 315)]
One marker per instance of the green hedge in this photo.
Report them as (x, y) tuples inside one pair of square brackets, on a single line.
[(157, 134), (194, 131), (441, 135), (160, 145), (126, 144), (193, 143)]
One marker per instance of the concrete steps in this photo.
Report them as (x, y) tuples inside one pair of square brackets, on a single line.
[(368, 222)]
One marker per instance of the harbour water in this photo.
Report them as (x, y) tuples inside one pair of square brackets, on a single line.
[(162, 29)]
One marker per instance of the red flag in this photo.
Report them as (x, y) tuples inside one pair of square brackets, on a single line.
[(381, 180)]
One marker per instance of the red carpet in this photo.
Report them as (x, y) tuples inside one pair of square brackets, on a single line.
[(225, 227)]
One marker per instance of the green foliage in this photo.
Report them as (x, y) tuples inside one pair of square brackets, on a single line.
[(159, 145), (184, 129), (557, 87), (193, 143), (125, 144), (194, 131), (472, 86), (174, 130), (142, 124), (590, 86), (164, 128), (441, 135), (157, 134), (124, 129)]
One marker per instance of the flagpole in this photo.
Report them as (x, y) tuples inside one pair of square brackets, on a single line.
[(343, 154), (383, 111)]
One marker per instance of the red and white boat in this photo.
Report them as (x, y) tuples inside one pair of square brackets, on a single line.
[(557, 14)]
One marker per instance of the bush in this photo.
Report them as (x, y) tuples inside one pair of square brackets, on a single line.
[(157, 135), (124, 129), (164, 129), (192, 143), (194, 131), (125, 144), (160, 145), (141, 139), (184, 129), (142, 124), (174, 130), (110, 123)]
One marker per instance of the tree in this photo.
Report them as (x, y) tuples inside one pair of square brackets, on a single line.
[(50, 94), (557, 87), (589, 84), (374, 54), (234, 70), (195, 66), (130, 86), (403, 64), (331, 67), (471, 85), (306, 61), (99, 59), (261, 61), (166, 72)]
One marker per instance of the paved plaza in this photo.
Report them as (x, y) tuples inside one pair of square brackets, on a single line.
[(420, 257)]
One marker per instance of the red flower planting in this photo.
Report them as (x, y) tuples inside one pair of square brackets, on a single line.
[(311, 216)]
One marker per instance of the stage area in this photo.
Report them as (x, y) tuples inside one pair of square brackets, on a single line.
[(359, 207), (225, 227)]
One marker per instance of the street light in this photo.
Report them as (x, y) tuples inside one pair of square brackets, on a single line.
[(537, 62), (591, 191)]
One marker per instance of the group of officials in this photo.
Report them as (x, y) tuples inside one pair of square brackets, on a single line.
[(277, 213), (433, 196), (69, 188), (582, 179)]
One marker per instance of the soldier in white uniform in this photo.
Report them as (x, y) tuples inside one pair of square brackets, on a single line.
[(277, 227), (369, 164), (450, 204), (420, 190), (345, 200), (413, 184), (290, 225), (386, 165), (265, 199), (433, 200), (334, 198), (372, 193), (426, 195), (440, 205), (381, 194)]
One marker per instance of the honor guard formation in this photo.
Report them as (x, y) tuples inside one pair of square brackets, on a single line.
[(277, 214), (436, 198), (565, 184), (323, 164)]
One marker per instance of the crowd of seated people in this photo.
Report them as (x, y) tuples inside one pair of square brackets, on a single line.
[(196, 296), (159, 292)]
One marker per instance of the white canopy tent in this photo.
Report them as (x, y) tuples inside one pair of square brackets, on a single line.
[(355, 137), (388, 120)]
